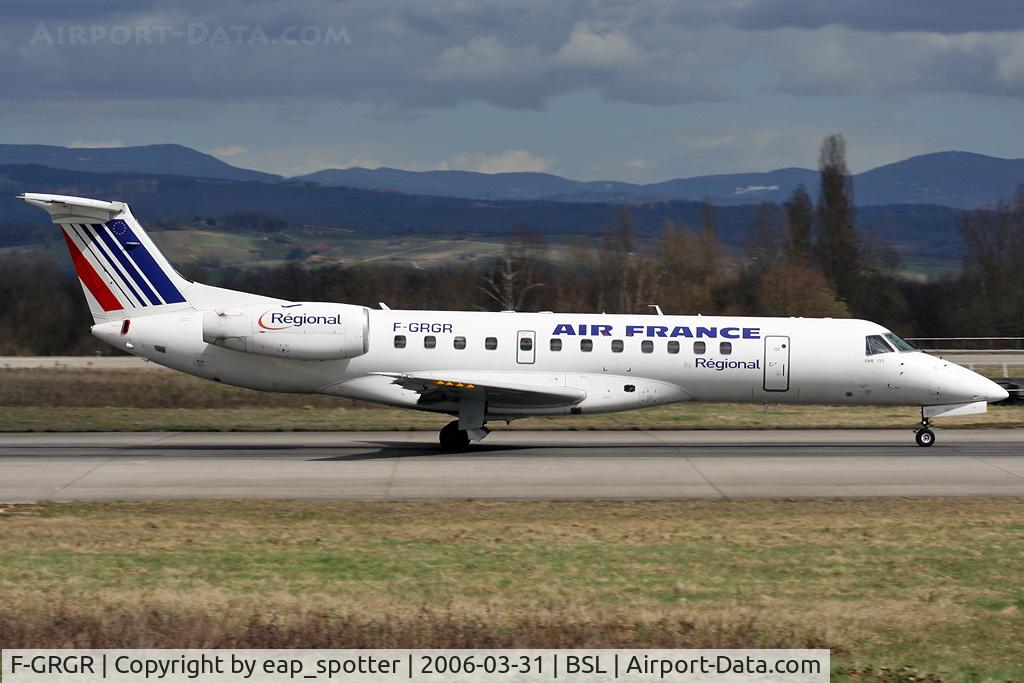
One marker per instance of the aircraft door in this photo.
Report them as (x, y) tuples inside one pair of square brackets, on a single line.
[(526, 347), (776, 363)]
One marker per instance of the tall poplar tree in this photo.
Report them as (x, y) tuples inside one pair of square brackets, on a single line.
[(837, 236)]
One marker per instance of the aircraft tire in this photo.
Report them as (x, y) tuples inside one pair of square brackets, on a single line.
[(924, 437), (452, 438)]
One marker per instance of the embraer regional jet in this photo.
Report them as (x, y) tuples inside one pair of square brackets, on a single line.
[(483, 367)]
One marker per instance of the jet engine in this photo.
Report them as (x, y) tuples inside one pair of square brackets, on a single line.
[(304, 331)]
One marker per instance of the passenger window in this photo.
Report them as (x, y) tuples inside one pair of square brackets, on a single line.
[(491, 343), (673, 346), (399, 341), (725, 348), (525, 344), (556, 344), (874, 345), (699, 347), (617, 346), (429, 342), (586, 345), (460, 342), (647, 346)]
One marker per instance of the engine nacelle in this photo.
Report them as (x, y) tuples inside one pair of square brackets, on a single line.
[(304, 331)]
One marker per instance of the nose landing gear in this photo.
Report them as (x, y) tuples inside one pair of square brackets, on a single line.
[(924, 435)]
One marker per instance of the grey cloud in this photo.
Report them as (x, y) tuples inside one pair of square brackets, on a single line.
[(937, 16), (429, 55), (424, 56), (837, 62)]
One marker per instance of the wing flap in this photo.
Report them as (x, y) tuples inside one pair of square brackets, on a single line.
[(498, 391)]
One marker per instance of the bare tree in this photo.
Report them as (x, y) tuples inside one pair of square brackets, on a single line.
[(799, 226), (992, 297), (837, 237), (509, 283), (766, 243)]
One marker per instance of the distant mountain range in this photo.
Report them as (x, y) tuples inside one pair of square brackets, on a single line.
[(915, 230), (159, 159), (954, 179)]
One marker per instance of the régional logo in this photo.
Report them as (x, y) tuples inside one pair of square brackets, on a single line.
[(276, 320)]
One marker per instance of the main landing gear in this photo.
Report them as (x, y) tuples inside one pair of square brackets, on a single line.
[(452, 438), (924, 434)]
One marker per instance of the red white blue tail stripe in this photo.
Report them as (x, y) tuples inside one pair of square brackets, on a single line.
[(117, 268)]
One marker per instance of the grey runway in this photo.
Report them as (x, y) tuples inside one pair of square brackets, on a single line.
[(509, 465)]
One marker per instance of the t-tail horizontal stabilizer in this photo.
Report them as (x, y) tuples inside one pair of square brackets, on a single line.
[(123, 273)]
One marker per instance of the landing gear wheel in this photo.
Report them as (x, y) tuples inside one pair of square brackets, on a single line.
[(925, 437), (452, 438)]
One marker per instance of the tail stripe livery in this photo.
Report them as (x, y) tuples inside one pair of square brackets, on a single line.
[(115, 249), (145, 261), (123, 274), (97, 258), (128, 266), (114, 274), (90, 278)]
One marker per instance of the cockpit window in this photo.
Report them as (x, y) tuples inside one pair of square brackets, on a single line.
[(875, 345), (900, 344)]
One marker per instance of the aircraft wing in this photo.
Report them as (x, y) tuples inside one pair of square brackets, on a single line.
[(498, 389)]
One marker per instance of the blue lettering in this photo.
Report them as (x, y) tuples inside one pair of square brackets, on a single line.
[(699, 332)]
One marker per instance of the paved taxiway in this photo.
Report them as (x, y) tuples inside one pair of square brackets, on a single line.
[(511, 464)]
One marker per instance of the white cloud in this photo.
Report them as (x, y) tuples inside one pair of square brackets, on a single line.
[(837, 62), (295, 159), (587, 48), (714, 141), (482, 58), (296, 166), (1011, 65), (94, 144), (509, 161), (229, 151), (356, 163)]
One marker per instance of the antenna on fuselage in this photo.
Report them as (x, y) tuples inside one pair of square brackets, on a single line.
[(657, 309)]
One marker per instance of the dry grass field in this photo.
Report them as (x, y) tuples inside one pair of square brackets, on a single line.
[(897, 588), (129, 400)]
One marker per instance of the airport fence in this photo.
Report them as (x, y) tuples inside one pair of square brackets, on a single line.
[(969, 344)]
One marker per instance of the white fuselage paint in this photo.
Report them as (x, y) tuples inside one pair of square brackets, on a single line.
[(485, 366), (787, 360)]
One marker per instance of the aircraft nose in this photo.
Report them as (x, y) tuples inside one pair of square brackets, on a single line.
[(996, 393), (974, 387)]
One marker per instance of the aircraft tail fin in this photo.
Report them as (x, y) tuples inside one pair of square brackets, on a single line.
[(122, 272)]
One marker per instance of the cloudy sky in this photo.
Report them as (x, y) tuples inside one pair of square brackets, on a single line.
[(623, 89)]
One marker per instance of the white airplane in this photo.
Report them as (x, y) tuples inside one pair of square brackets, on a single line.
[(481, 367)]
